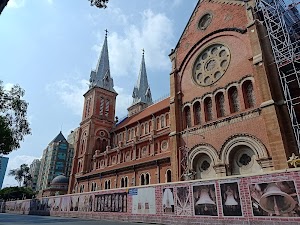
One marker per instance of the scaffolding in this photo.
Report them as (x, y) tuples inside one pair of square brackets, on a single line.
[(283, 27)]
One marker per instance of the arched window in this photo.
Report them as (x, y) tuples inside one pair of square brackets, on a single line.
[(81, 189), (167, 120), (220, 104), (162, 121), (126, 181), (197, 119), (142, 179), (233, 99), (98, 144), (169, 176), (143, 130), (107, 184), (208, 109), (107, 108), (248, 94), (147, 128), (82, 147), (104, 144), (122, 182), (157, 123), (187, 116), (147, 180), (79, 167), (101, 106)]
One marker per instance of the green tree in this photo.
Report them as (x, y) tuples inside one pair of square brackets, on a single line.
[(16, 193), (99, 3), (21, 175), (13, 118)]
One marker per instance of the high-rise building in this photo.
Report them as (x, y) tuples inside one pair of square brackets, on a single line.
[(34, 169), (3, 3), (3, 166), (226, 114), (54, 162)]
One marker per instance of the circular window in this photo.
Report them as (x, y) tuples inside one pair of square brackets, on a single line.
[(205, 165), (244, 158), (211, 65), (164, 145), (204, 21)]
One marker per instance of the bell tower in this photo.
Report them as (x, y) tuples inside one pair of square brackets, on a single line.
[(97, 118)]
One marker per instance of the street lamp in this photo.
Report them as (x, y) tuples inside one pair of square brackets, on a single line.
[(99, 3)]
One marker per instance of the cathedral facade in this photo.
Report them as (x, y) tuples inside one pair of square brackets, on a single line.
[(225, 115)]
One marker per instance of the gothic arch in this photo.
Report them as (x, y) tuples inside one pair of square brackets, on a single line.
[(243, 140)]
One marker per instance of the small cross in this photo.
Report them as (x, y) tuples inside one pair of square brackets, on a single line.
[(143, 50), (106, 31)]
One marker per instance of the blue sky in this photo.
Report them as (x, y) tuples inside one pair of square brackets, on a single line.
[(49, 47)]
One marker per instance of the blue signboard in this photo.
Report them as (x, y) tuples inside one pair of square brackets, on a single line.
[(133, 191)]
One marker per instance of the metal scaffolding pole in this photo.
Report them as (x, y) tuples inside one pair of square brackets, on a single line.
[(283, 26)]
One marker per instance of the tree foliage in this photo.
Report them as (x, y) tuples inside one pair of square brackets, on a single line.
[(21, 175), (13, 118), (16, 193)]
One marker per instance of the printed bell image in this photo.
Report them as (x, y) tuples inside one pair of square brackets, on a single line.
[(231, 202), (205, 200), (278, 199), (168, 200)]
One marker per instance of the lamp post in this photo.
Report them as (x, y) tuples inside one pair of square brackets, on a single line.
[(99, 3)]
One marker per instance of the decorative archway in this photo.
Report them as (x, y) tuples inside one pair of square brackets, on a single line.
[(202, 160), (242, 154)]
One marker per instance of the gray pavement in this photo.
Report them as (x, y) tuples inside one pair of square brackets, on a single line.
[(12, 219)]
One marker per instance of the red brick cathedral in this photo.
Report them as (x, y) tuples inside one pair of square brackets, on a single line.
[(225, 115)]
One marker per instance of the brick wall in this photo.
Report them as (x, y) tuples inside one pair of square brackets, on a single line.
[(261, 199)]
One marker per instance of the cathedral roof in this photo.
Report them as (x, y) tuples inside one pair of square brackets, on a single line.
[(101, 76), (141, 91), (146, 112)]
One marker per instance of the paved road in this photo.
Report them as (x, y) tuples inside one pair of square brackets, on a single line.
[(12, 219)]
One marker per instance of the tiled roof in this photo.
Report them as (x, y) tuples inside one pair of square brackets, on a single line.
[(146, 112)]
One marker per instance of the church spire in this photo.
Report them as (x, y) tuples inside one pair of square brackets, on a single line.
[(101, 76), (141, 92)]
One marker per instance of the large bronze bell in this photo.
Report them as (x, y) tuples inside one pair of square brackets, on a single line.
[(275, 201)]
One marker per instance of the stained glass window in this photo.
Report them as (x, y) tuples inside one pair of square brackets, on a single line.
[(248, 92), (208, 109), (220, 100), (233, 99), (197, 111), (187, 112)]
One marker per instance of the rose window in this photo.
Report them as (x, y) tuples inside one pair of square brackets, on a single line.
[(211, 65)]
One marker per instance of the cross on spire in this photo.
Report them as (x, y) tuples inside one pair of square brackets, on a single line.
[(143, 50), (106, 32)]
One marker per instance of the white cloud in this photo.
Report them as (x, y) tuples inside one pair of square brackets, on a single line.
[(14, 163), (124, 100), (125, 51), (70, 93), (16, 3), (177, 3)]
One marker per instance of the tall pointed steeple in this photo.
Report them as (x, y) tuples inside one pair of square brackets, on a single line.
[(141, 92), (101, 76)]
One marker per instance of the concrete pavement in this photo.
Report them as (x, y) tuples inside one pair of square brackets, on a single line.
[(12, 219)]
